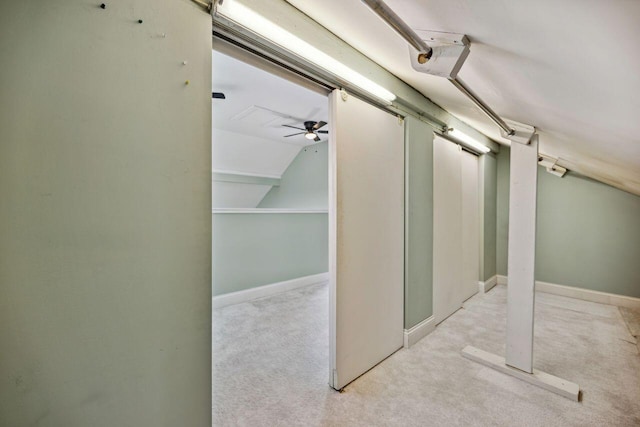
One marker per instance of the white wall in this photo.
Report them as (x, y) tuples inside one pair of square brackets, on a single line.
[(105, 227)]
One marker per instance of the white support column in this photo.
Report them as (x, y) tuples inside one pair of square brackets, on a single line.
[(521, 269), (522, 252)]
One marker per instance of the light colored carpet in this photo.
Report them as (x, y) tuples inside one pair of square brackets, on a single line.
[(632, 319), (270, 368)]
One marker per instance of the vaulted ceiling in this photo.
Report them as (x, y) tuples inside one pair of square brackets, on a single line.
[(570, 68)]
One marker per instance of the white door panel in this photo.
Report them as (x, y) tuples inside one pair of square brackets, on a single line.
[(366, 224)]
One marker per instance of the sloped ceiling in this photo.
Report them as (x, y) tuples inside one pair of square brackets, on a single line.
[(571, 68), (248, 136), (259, 103)]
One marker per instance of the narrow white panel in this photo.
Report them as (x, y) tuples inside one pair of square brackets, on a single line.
[(522, 250), (470, 225), (448, 292), (366, 221)]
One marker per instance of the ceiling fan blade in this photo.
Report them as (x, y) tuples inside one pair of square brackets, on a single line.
[(218, 95), (319, 125), (293, 127), (317, 138), (322, 131), (293, 134)]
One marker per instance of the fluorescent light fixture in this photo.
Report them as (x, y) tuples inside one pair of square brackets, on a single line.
[(467, 140), (249, 19)]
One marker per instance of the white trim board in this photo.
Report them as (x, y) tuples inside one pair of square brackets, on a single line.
[(266, 211), (484, 287), (583, 294), (267, 290), (419, 331), (538, 378)]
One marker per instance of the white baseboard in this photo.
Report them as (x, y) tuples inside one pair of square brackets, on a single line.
[(267, 290), (484, 287), (583, 294), (501, 280), (419, 331)]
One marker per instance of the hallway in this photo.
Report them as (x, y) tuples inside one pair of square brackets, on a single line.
[(270, 368)]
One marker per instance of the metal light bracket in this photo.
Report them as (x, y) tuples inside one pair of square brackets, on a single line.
[(522, 134), (551, 164), (450, 50)]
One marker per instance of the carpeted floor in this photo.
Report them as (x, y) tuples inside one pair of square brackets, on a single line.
[(270, 368), (632, 319)]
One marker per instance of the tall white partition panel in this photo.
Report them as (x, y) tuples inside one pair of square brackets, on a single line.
[(366, 223), (105, 214), (470, 224), (448, 292), (522, 252)]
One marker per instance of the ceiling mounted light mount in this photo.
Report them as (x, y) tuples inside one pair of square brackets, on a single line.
[(551, 165), (446, 59), (450, 50)]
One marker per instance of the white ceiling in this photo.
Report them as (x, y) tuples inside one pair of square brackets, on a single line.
[(247, 135), (259, 103), (571, 68)]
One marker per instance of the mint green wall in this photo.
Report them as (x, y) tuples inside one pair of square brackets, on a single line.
[(418, 221), (502, 210), (588, 234), (488, 168), (305, 183), (254, 249), (105, 235)]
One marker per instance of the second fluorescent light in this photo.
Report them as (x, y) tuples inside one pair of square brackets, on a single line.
[(467, 140)]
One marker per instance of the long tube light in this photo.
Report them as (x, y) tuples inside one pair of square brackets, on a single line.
[(467, 140), (258, 24)]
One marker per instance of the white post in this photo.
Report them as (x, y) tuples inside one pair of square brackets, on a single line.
[(521, 270), (522, 252)]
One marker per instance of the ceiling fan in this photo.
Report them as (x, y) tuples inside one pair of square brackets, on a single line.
[(310, 130)]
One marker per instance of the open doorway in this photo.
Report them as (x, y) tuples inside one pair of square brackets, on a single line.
[(270, 245)]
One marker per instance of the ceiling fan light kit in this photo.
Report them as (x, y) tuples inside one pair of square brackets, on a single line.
[(311, 130)]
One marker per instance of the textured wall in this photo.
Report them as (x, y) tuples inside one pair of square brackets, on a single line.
[(255, 249), (489, 170), (502, 210), (105, 233), (305, 183), (418, 222), (588, 233)]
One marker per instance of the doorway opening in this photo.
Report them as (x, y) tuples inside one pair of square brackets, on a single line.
[(270, 239)]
